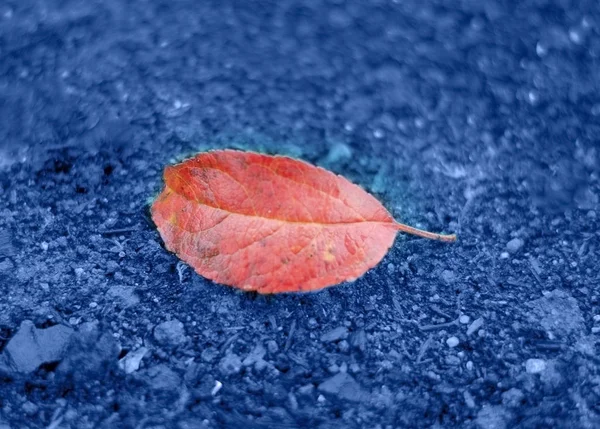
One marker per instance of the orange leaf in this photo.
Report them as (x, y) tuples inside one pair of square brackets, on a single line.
[(272, 224)]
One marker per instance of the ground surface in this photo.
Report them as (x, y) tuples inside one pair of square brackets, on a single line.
[(473, 117)]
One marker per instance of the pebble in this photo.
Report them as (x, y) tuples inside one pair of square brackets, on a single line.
[(477, 323), (493, 417), (452, 360), (512, 397), (556, 312), (131, 362), (272, 347), (306, 390), (257, 354), (535, 366), (452, 342), (231, 364), (514, 245), (124, 294), (30, 347), (339, 333), (344, 346), (170, 333), (343, 386), (163, 378), (29, 408), (464, 319), (217, 388), (209, 354), (469, 400)]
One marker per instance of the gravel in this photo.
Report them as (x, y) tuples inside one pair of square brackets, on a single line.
[(30, 347), (479, 118), (475, 326), (535, 366), (514, 245), (131, 362), (342, 386), (452, 342), (170, 333), (493, 417), (336, 334)]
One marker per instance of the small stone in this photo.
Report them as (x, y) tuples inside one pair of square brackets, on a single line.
[(124, 294), (551, 377), (452, 360), (493, 417), (343, 386), (343, 346), (209, 354), (556, 312), (231, 364), (272, 347), (535, 366), (6, 266), (448, 276), (473, 327), (469, 400), (306, 390), (452, 342), (29, 408), (163, 378), (217, 388), (514, 245), (464, 319), (339, 333), (170, 333), (358, 339), (512, 397), (30, 347), (255, 355), (131, 362)]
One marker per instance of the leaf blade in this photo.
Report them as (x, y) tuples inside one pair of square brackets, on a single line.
[(270, 223)]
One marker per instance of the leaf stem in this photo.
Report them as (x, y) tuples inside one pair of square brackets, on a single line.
[(448, 238)]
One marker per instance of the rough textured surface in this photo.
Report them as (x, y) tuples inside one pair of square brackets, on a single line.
[(478, 117)]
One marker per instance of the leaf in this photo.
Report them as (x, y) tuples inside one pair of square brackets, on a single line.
[(272, 224)]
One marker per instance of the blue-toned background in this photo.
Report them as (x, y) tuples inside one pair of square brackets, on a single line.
[(474, 117)]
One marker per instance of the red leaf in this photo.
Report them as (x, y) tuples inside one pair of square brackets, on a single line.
[(271, 223)]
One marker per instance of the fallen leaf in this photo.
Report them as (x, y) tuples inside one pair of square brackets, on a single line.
[(271, 223)]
